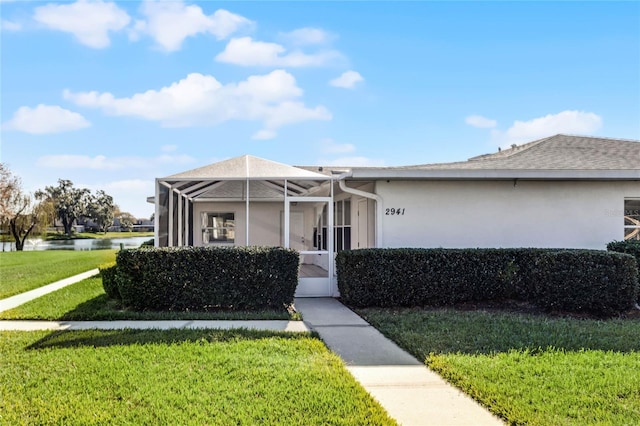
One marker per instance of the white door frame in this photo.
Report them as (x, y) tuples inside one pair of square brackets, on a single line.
[(313, 286)]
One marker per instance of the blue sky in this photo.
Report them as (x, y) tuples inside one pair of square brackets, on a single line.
[(114, 94)]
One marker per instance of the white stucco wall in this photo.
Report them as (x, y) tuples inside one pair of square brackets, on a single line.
[(457, 214)]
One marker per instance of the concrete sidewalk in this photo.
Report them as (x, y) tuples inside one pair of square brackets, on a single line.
[(270, 325), (19, 299), (405, 387)]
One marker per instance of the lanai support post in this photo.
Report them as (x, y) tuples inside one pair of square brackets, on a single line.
[(246, 243), (286, 216)]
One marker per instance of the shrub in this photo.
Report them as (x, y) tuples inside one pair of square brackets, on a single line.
[(631, 247), (586, 281), (204, 278), (148, 243), (108, 272), (594, 281)]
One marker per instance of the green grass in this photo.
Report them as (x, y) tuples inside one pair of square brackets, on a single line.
[(23, 271), (528, 369), (190, 377), (87, 301)]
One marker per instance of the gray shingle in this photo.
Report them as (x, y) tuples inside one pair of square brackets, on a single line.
[(559, 152)]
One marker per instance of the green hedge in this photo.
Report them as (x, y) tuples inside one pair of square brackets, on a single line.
[(149, 243), (591, 281), (631, 247), (202, 278), (108, 273)]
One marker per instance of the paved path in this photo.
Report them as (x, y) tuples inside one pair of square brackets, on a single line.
[(273, 325), (405, 387), (19, 299)]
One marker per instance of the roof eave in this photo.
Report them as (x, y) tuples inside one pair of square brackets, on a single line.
[(484, 174), (226, 178)]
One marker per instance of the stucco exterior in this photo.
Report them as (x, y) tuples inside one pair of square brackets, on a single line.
[(507, 213)]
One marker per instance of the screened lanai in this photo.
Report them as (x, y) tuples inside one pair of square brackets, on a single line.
[(252, 201)]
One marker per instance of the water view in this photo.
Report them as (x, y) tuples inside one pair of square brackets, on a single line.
[(79, 244)]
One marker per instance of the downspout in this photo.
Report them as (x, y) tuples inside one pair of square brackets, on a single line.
[(378, 199)]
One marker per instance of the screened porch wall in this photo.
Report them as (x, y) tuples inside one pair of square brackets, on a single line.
[(265, 221), (162, 213)]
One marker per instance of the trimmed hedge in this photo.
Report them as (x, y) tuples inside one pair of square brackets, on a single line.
[(631, 247), (149, 243), (108, 273), (597, 282), (205, 278)]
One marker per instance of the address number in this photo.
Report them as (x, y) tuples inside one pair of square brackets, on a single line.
[(394, 212)]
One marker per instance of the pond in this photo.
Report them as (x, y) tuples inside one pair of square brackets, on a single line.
[(80, 244)]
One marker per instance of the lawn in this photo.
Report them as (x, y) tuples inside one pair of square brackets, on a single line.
[(528, 369), (193, 377), (23, 271), (87, 301)]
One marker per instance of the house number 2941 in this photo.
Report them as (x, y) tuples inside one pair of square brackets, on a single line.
[(394, 212)]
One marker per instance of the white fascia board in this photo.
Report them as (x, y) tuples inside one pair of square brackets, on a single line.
[(393, 174), (216, 178)]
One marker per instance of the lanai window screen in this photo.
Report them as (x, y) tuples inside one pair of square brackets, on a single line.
[(251, 181)]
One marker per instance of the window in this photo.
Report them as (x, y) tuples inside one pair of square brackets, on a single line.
[(341, 227), (632, 219), (218, 228)]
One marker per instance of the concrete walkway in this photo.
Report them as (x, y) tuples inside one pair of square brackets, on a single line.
[(405, 387), (270, 325), (19, 299)]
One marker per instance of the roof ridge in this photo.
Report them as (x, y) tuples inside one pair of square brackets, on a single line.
[(514, 150), (610, 138)]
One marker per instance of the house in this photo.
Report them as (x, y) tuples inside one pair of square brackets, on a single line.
[(562, 191)]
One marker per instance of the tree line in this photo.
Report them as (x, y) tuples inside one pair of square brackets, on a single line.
[(23, 214)]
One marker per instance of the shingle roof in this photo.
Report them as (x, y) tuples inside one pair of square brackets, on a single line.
[(247, 166), (555, 157), (559, 152)]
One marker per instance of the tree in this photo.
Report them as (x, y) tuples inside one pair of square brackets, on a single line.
[(127, 220), (9, 188), (69, 203), (18, 210), (102, 210)]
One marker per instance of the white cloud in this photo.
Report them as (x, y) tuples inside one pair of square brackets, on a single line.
[(480, 121), (45, 119), (330, 147), (7, 25), (101, 162), (347, 80), (578, 122), (247, 52), (89, 22), (169, 23), (355, 162), (202, 100), (264, 134), (306, 36), (169, 148)]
